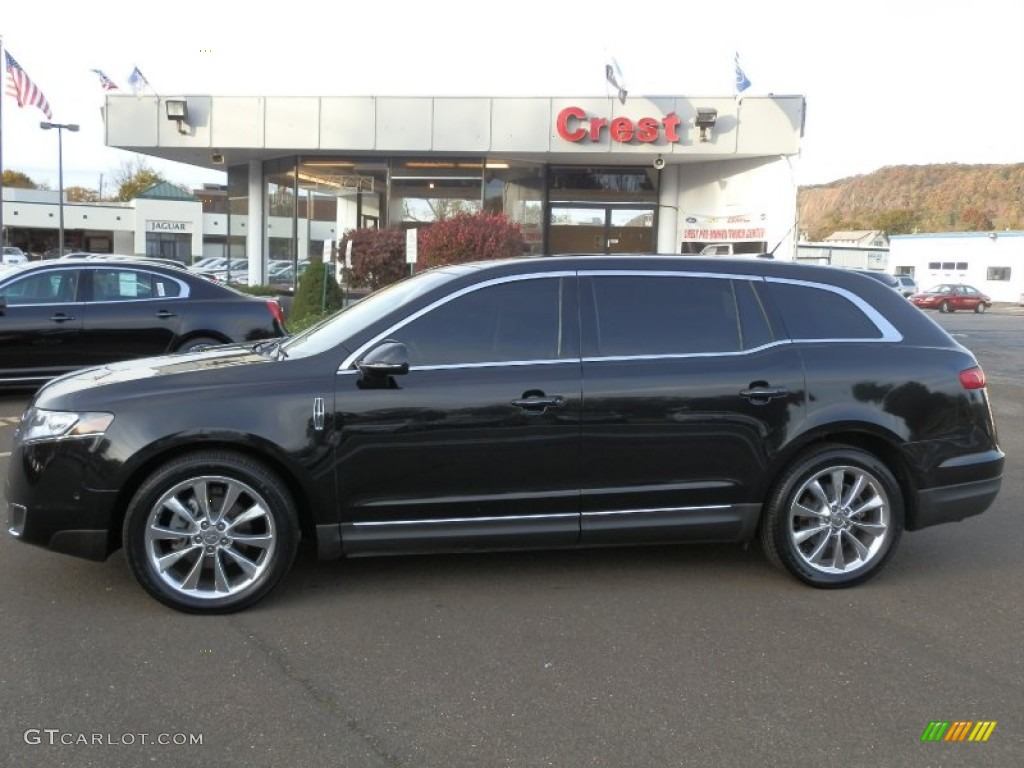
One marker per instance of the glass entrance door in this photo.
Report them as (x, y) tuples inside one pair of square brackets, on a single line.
[(601, 228)]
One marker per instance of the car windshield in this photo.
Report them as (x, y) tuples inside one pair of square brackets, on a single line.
[(335, 330)]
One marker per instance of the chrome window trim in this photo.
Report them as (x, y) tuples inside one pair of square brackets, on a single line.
[(184, 294), (888, 331), (351, 359)]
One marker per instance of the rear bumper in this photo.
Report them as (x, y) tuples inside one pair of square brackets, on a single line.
[(965, 497)]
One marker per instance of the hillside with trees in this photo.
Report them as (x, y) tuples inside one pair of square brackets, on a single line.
[(903, 199)]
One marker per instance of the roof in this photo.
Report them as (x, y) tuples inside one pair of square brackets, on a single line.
[(855, 235), (166, 191)]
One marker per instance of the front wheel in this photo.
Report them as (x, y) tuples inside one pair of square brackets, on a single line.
[(834, 517), (945, 308), (211, 532), (980, 308)]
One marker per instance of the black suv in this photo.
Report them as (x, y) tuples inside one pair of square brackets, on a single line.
[(536, 402)]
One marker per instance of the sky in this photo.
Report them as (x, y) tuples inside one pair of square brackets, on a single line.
[(893, 82)]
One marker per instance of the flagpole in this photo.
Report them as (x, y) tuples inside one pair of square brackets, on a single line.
[(3, 64)]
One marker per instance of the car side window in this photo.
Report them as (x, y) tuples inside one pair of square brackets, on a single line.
[(810, 312), (644, 315), (57, 286), (513, 321), (130, 284)]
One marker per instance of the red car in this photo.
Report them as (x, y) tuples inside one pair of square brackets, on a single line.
[(949, 297)]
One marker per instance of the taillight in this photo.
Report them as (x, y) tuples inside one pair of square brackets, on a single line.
[(276, 311), (973, 378)]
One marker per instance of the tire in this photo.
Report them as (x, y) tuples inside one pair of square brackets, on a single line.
[(824, 543), (980, 308), (198, 344), (944, 308), (216, 557)]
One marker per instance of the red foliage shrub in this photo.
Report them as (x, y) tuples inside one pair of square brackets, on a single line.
[(470, 237), (378, 257)]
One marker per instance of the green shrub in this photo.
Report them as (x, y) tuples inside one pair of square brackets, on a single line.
[(317, 295)]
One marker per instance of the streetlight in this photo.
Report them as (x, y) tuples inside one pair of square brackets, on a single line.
[(60, 171)]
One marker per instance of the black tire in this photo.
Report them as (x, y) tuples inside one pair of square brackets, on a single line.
[(219, 556), (832, 545), (198, 344), (980, 308), (944, 308)]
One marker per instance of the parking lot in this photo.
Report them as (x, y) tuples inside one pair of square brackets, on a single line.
[(703, 656)]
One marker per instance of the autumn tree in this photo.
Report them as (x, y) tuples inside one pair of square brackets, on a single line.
[(81, 195), (134, 177), (19, 180)]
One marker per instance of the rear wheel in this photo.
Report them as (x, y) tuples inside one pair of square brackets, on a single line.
[(834, 517), (211, 532), (198, 344)]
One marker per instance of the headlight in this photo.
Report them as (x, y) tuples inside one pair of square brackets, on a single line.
[(55, 425)]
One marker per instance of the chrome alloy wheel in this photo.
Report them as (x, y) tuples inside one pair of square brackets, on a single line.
[(839, 520), (210, 537)]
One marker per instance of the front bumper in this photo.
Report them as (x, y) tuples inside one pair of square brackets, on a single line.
[(50, 502)]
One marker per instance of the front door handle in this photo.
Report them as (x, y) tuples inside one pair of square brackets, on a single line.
[(163, 314), (760, 394), (537, 402), (60, 317)]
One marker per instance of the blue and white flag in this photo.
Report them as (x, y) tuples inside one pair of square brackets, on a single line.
[(742, 83), (613, 74), (138, 82)]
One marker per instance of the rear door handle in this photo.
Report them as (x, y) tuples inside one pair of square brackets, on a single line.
[(60, 317), (163, 314)]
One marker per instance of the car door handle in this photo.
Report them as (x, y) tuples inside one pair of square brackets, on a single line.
[(761, 394), (163, 314), (538, 403), (60, 317)]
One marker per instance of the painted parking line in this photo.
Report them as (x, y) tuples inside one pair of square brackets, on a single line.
[(9, 421), (5, 454)]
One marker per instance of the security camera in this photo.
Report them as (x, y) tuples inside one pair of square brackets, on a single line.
[(217, 158), (659, 162)]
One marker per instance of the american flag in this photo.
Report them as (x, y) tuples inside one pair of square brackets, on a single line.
[(21, 87), (106, 82)]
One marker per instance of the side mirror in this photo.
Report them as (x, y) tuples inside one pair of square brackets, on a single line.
[(390, 358)]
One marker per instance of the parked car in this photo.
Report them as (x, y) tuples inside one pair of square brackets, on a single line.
[(883, 277), (949, 297), (908, 285), (13, 255), (555, 402), (58, 316)]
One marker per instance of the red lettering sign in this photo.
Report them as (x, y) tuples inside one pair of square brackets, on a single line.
[(621, 130)]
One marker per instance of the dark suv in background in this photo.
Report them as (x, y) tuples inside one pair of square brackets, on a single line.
[(535, 402)]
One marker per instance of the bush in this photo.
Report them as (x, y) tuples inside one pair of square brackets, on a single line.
[(378, 257), (470, 237), (317, 295)]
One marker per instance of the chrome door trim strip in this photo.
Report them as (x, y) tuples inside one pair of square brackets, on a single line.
[(653, 510), (445, 520)]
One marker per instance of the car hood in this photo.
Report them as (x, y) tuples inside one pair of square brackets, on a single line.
[(216, 358)]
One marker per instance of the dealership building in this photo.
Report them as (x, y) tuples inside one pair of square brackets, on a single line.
[(667, 174)]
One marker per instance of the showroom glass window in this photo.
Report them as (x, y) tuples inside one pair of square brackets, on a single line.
[(514, 321), (650, 315)]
